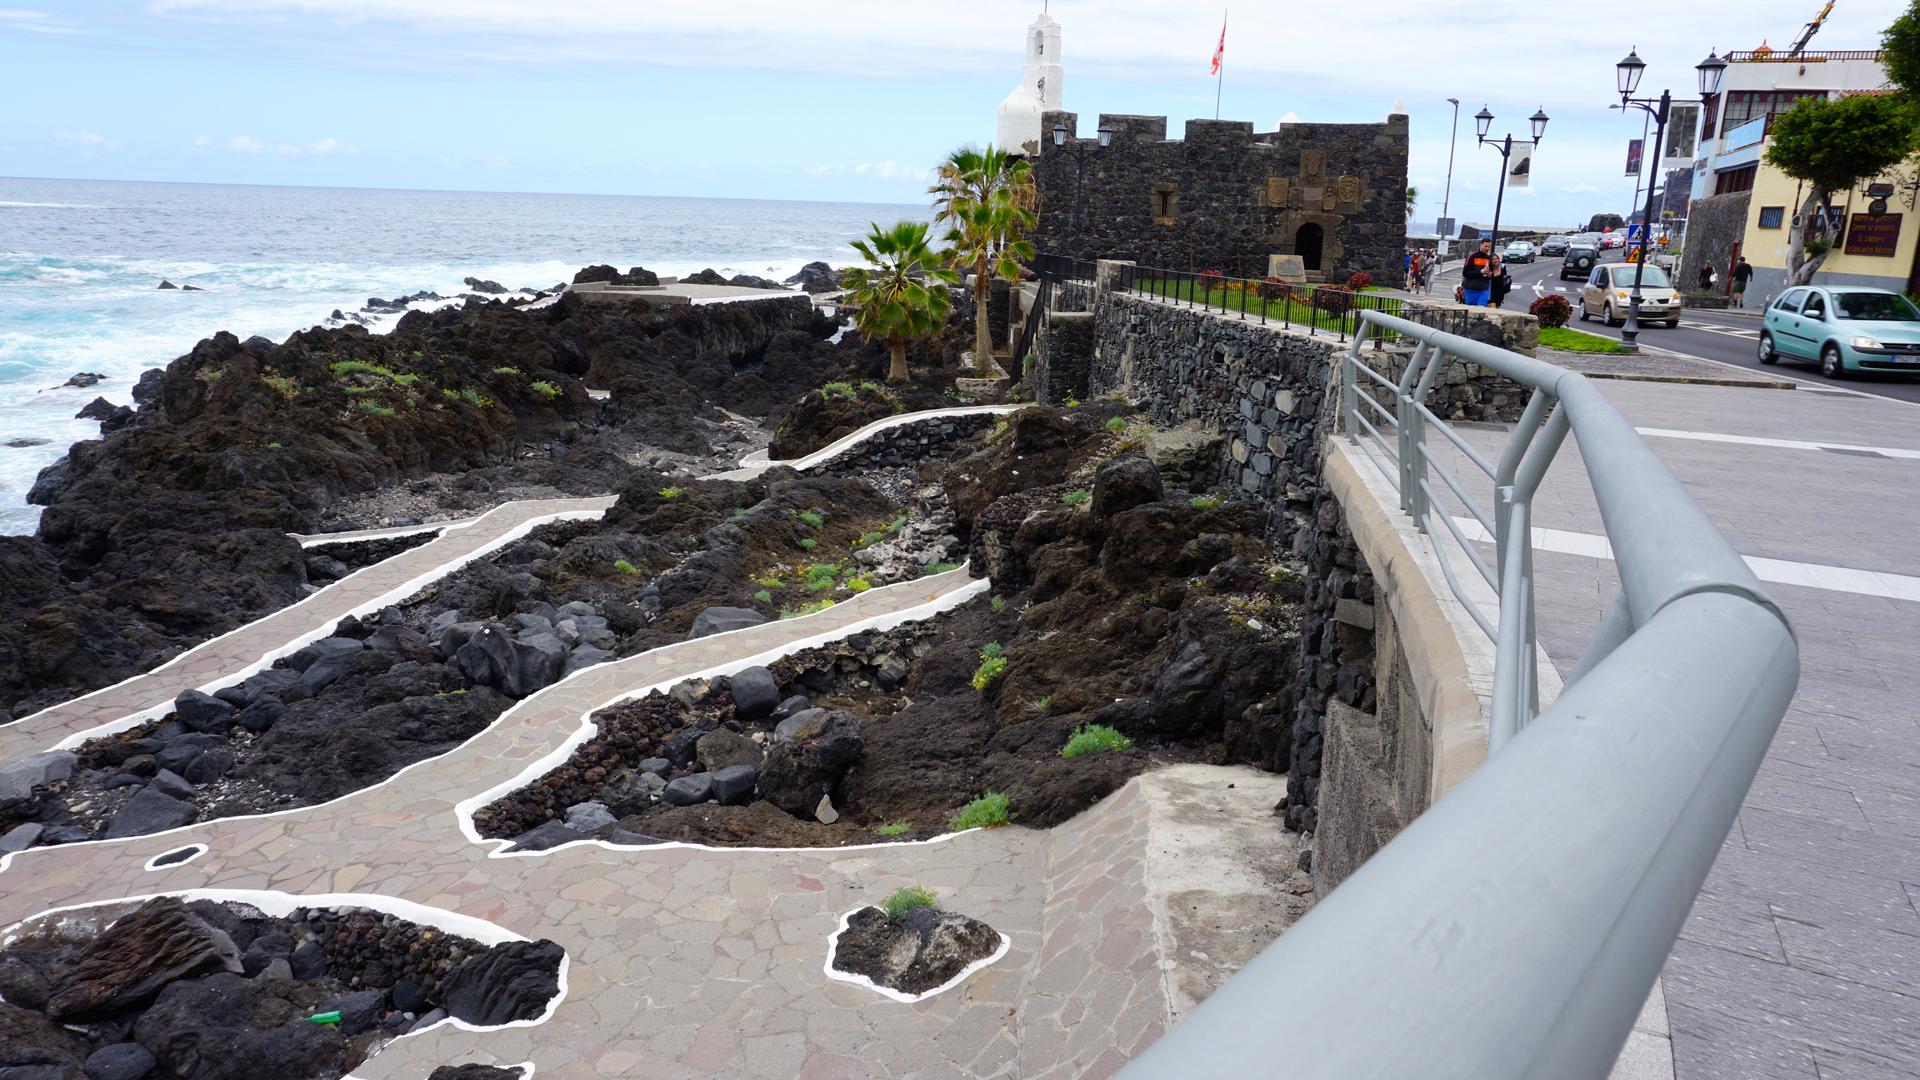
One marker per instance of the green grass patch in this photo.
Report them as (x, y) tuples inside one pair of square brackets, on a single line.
[(1094, 739), (476, 398), (343, 368), (905, 899), (1117, 425), (626, 567), (998, 603), (282, 385), (986, 812), (819, 605), (933, 568), (821, 576), (1072, 402), (993, 664), (1571, 340), (813, 520), (407, 379), (763, 596), (893, 828), (672, 492), (770, 581), (506, 371), (1206, 502), (375, 409), (840, 390), (808, 543), (356, 390), (1076, 497), (545, 389)]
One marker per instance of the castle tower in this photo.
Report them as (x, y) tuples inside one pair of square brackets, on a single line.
[(1041, 78)]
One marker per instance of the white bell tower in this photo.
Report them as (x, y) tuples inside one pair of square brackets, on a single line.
[(1039, 90)]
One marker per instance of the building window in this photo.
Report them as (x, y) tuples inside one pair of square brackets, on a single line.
[(1166, 203), (1735, 180), (1771, 217), (1745, 105), (1709, 108)]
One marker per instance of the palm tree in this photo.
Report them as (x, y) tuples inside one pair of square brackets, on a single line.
[(1413, 196), (901, 294), (987, 197)]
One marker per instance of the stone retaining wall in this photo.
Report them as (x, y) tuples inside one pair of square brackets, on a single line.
[(908, 445)]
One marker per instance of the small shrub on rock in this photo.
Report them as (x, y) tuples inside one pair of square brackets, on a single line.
[(626, 567), (986, 812), (1360, 280), (1117, 425), (1551, 310), (893, 828), (1205, 502), (906, 898), (813, 520), (808, 543), (1076, 497), (763, 596), (933, 568), (993, 664), (374, 409), (672, 492), (1094, 739), (545, 389)]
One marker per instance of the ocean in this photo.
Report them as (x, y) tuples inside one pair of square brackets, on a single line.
[(81, 262)]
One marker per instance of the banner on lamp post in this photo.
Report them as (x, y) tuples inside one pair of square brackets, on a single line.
[(1520, 167), (1683, 125), (1634, 147)]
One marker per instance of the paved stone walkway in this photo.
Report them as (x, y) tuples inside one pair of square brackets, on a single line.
[(1801, 959)]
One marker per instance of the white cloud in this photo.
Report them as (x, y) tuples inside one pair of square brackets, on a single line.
[(31, 22), (247, 144), (85, 139), (202, 141)]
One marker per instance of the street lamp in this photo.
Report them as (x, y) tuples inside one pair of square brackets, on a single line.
[(1105, 134), (1483, 120), (1446, 200), (1627, 73)]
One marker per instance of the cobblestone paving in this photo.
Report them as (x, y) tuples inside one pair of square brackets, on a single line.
[(1661, 367)]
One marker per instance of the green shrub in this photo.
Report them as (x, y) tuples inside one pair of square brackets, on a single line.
[(893, 828), (763, 596), (905, 899), (343, 368), (1117, 425), (450, 395), (506, 371), (1094, 739), (374, 409), (1072, 402), (625, 567), (986, 812), (771, 581), (672, 492), (1076, 497), (998, 603), (1206, 502), (859, 583), (813, 520), (404, 380), (839, 390), (740, 511), (808, 543), (869, 387), (868, 539), (281, 384), (545, 389), (819, 605), (476, 398), (820, 576), (993, 664), (933, 568)]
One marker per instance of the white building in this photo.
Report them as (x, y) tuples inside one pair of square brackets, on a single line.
[(1759, 85), (1041, 79)]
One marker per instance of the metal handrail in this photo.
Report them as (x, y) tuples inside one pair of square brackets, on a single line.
[(1515, 928)]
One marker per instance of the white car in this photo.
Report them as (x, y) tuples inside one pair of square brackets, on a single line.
[(1609, 291)]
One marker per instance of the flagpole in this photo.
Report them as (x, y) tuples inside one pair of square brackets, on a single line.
[(1220, 79)]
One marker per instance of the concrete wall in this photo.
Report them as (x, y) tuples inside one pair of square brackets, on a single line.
[(1714, 225), (1224, 197)]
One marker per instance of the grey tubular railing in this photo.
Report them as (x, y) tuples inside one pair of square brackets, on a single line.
[(1515, 928)]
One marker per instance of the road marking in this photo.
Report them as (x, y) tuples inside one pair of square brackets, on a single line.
[(1731, 331), (1779, 571), (1784, 444)]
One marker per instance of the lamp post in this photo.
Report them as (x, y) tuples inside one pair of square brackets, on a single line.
[(1446, 200), (1628, 72), (1481, 121), (1079, 179)]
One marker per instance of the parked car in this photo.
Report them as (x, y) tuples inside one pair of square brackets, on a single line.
[(1555, 245), (1520, 251), (1609, 241), (1580, 261), (1610, 289), (1843, 329)]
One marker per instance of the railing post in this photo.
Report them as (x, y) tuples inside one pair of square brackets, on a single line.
[(1406, 421), (1350, 396)]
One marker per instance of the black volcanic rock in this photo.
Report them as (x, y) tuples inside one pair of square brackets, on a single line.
[(506, 983), (482, 285)]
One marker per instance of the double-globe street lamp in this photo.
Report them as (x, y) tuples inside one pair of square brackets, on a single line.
[(1629, 71), (1481, 121), (1079, 180)]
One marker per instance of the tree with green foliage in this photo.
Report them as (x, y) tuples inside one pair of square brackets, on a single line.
[(1832, 145), (1413, 196), (1900, 52), (901, 294), (986, 197)]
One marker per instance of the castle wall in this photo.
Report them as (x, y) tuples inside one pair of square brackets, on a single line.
[(1224, 197)]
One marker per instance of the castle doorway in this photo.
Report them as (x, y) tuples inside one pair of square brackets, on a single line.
[(1307, 243)]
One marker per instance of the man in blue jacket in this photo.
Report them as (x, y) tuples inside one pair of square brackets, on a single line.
[(1476, 277)]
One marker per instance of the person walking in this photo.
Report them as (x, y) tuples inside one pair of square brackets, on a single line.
[(1500, 285), (1742, 273), (1476, 276), (1706, 277)]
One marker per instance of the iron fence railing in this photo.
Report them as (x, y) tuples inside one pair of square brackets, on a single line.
[(1515, 928)]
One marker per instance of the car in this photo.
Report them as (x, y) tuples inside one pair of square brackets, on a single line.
[(1609, 241), (1608, 293), (1843, 328), (1555, 245), (1520, 251), (1580, 260)]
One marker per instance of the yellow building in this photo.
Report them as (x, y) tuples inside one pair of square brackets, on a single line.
[(1870, 248)]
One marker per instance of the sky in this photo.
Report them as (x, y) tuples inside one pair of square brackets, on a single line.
[(846, 101)]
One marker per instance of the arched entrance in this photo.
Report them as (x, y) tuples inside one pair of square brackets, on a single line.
[(1307, 243)]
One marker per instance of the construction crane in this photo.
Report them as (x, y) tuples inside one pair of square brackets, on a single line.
[(1812, 28)]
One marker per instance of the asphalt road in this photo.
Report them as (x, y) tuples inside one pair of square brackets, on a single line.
[(1729, 337)]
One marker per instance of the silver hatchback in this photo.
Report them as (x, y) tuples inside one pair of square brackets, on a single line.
[(1608, 293)]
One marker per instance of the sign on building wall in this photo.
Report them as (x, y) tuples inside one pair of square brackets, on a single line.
[(1633, 156), (1873, 234), (1683, 124)]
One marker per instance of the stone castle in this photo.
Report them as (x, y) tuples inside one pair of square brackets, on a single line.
[(1225, 197)]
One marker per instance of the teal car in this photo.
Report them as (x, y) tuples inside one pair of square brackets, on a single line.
[(1843, 328)]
